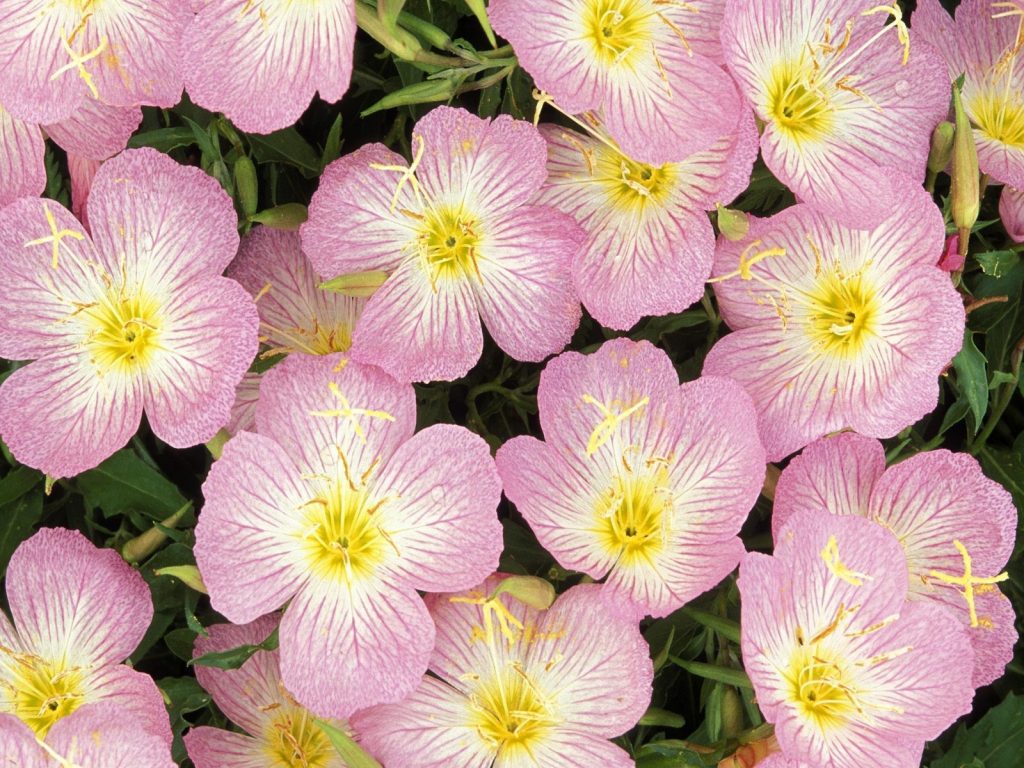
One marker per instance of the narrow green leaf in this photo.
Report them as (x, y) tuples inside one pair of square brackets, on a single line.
[(353, 755), (233, 658), (125, 482), (662, 718), (287, 216), (995, 741), (332, 147), (164, 139), (17, 517), (972, 377), (727, 628), (286, 146), (728, 675)]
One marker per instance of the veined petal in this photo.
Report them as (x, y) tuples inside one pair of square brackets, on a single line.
[(835, 474), (206, 343), (1011, 211), (571, 749), (261, 63), (132, 693), (216, 748), (158, 223), (247, 695), (443, 520), (95, 130), (243, 412), (22, 171), (18, 744), (60, 415), (82, 172), (361, 217), (104, 735), (375, 637), (1001, 161), (248, 539), (318, 408), (994, 638), (417, 330), (432, 726), (70, 600), (491, 166), (525, 292)]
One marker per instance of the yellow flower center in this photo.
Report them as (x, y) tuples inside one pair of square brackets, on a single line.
[(448, 243), (617, 29), (630, 185), (842, 311), (635, 512), (799, 109), (124, 330), (1000, 116), (293, 740), (820, 686), (43, 693), (510, 715)]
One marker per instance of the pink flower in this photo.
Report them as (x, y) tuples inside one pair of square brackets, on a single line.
[(638, 479), (134, 317), (93, 132), (983, 45), (77, 612), (834, 327), (296, 315), (850, 673), (642, 222), (650, 67), (277, 730), (843, 95), (948, 517), (260, 63), (1011, 211), (517, 686), (95, 736), (951, 260), (456, 234), (55, 57), (337, 509)]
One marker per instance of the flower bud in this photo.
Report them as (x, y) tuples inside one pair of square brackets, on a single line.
[(531, 590), (423, 92), (246, 185), (187, 574), (941, 147), (965, 190), (358, 284), (952, 260), (287, 216), (732, 224), (732, 712)]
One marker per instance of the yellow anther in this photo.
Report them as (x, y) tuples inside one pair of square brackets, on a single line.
[(408, 172), (262, 292), (1013, 9), (78, 62), (830, 554), (493, 609), (902, 32), (606, 428), (346, 411), (746, 262), (677, 31), (55, 237), (968, 581), (542, 98)]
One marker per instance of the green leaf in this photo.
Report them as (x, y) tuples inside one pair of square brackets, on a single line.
[(21, 509), (286, 146), (233, 658), (353, 755), (728, 675), (972, 378), (662, 718), (332, 147), (995, 741), (164, 139), (997, 263), (1007, 469), (125, 482)]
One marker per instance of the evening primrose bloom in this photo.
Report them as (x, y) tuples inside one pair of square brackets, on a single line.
[(277, 731), (517, 686), (638, 479), (956, 528), (850, 673), (134, 317), (984, 44), (651, 67), (77, 612), (642, 222), (336, 508), (94, 736), (835, 327), (457, 233), (260, 62), (296, 315), (55, 56), (843, 95)]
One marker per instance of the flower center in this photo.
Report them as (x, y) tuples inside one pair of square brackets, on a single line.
[(820, 686), (124, 330), (1000, 116), (617, 29), (43, 693), (293, 740), (344, 539), (631, 185), (799, 108), (635, 512), (448, 243), (842, 309), (509, 714)]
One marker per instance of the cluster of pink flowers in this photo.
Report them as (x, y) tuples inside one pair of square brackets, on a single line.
[(372, 548)]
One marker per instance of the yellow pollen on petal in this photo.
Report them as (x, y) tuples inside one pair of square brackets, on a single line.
[(40, 692), (292, 739), (78, 62), (830, 554), (55, 238), (346, 411), (968, 583), (613, 414), (407, 173)]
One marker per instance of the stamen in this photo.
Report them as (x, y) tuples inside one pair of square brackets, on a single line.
[(346, 411), (830, 554), (55, 237), (968, 581), (607, 426)]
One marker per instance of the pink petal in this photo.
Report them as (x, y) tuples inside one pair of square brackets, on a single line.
[(1011, 211), (525, 292), (22, 171), (1003, 162), (72, 601), (375, 638), (994, 638), (571, 749), (104, 736), (18, 744), (59, 415), (168, 223), (95, 130), (299, 407), (134, 694), (443, 521), (82, 173), (417, 331), (207, 342), (243, 412), (261, 68), (248, 546), (216, 748), (836, 474)]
